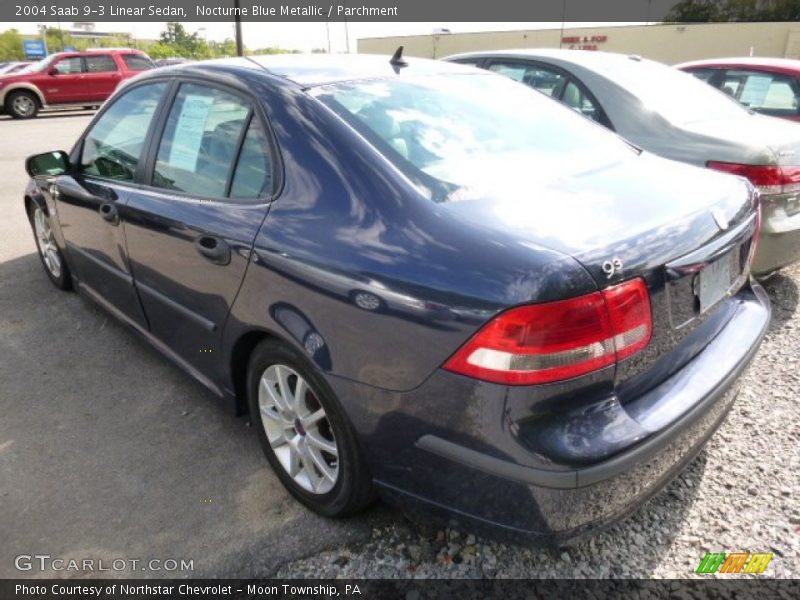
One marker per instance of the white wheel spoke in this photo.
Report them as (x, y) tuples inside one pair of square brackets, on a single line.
[(271, 414), (300, 396), (323, 467), (275, 399), (311, 420), (283, 387), (316, 440), (294, 460)]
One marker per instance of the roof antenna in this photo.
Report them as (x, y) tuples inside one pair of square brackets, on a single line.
[(397, 59)]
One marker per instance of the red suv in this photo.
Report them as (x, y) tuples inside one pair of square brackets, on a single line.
[(770, 86), (69, 78)]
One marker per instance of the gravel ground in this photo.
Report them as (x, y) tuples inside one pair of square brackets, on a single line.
[(740, 494)]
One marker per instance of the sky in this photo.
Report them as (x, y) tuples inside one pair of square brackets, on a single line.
[(299, 36)]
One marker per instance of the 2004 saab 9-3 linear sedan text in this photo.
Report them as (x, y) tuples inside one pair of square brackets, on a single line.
[(421, 279)]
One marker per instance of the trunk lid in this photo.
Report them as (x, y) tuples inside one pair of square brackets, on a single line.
[(760, 140), (645, 217)]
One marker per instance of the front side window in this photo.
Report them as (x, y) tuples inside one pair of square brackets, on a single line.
[(770, 93), (101, 63), (113, 147), (68, 66), (137, 62), (467, 136), (200, 141)]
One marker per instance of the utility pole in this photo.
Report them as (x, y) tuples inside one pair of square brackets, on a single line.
[(238, 23), (328, 34), (346, 32)]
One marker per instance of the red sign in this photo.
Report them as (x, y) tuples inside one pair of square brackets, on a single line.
[(586, 42)]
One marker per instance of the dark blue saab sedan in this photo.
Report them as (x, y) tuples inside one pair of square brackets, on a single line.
[(420, 279)]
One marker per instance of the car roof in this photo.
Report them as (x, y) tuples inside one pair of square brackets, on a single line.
[(755, 61), (97, 51), (587, 58), (309, 70)]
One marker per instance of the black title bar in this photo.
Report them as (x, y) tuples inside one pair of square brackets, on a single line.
[(386, 589), (342, 10)]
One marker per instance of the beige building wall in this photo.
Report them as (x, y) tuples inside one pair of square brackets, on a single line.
[(666, 43)]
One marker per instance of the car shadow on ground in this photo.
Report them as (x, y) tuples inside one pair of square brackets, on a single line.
[(53, 115), (146, 462), (784, 297)]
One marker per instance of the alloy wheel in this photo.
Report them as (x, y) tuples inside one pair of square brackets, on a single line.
[(24, 105), (298, 429), (46, 243)]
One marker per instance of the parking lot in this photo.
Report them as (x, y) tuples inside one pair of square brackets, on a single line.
[(109, 452)]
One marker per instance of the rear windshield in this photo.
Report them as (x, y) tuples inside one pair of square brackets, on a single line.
[(679, 97), (465, 136), (137, 62)]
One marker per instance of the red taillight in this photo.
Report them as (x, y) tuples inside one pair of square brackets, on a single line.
[(769, 179), (542, 343)]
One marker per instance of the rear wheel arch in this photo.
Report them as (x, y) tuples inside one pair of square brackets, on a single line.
[(239, 358)]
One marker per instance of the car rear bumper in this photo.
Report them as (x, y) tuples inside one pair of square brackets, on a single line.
[(779, 245), (448, 448)]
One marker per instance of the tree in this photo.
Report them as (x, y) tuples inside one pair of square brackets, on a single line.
[(11, 45), (183, 44), (704, 11), (272, 50)]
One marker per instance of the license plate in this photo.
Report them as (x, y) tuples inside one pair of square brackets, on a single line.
[(715, 281)]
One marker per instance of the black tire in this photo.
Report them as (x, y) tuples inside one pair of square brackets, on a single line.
[(353, 489), (15, 102), (62, 279)]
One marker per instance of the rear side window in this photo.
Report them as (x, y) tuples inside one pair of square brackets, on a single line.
[(253, 175), (102, 63), (702, 74), (113, 147), (769, 93), (200, 141), (137, 62), (550, 83), (577, 99)]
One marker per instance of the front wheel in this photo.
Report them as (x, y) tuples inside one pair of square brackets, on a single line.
[(52, 260), (305, 433), (22, 105)]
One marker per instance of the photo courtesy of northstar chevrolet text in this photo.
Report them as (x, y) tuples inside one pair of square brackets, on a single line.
[(345, 298)]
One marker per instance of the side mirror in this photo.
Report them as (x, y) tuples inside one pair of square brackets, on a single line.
[(52, 71), (51, 164)]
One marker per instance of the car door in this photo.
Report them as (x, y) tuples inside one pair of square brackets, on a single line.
[(555, 83), (191, 227), (65, 81), (102, 76), (90, 200), (768, 93)]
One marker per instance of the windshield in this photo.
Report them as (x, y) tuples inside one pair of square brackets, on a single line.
[(38, 66), (677, 96), (463, 136)]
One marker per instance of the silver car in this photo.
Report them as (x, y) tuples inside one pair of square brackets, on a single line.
[(673, 114)]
